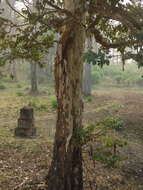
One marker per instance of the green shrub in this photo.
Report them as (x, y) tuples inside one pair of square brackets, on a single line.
[(19, 94), (110, 161), (88, 99), (19, 86), (54, 103), (102, 136), (43, 107), (2, 86), (107, 151), (112, 123), (84, 135), (97, 76), (39, 106)]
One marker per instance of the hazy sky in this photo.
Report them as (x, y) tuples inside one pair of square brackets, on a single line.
[(20, 5)]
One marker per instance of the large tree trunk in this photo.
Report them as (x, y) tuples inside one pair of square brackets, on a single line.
[(66, 168), (87, 79), (33, 75)]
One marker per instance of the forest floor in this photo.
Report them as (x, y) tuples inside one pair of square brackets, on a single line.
[(24, 162)]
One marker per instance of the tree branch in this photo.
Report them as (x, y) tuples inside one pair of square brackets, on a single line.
[(116, 13), (105, 43), (15, 9)]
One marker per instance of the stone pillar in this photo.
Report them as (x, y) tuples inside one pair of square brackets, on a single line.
[(26, 126)]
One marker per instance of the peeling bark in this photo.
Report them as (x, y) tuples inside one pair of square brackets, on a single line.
[(66, 168)]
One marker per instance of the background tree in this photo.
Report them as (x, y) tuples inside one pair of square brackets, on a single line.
[(33, 78), (87, 79), (33, 64)]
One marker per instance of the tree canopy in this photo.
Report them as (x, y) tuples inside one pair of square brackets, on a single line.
[(114, 24)]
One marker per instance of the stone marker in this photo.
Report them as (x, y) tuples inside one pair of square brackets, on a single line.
[(26, 126)]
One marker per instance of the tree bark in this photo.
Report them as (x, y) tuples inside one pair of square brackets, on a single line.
[(34, 83), (66, 168)]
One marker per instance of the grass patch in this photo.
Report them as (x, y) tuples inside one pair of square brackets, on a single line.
[(2, 86), (54, 103), (88, 99)]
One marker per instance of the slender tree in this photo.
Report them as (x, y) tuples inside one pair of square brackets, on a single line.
[(87, 78), (33, 64), (33, 78)]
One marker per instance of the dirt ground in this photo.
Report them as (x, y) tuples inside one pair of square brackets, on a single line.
[(24, 162), (126, 105)]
